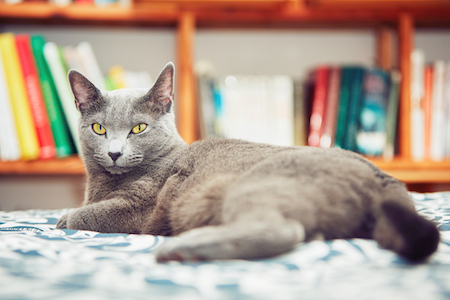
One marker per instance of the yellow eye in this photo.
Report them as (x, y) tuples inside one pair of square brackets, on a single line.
[(139, 128), (98, 129)]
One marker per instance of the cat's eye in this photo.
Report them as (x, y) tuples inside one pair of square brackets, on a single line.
[(139, 128), (98, 129)]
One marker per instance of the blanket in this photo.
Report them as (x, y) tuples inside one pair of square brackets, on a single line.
[(38, 261)]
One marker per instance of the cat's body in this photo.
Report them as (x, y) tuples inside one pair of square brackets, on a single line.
[(227, 198)]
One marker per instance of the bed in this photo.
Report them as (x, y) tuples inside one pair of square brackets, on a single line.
[(39, 262)]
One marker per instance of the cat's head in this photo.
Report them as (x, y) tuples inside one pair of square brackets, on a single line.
[(125, 129)]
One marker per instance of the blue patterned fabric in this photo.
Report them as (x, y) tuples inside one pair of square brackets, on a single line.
[(39, 262)]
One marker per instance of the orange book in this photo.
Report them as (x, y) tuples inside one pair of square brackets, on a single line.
[(35, 97), (427, 104)]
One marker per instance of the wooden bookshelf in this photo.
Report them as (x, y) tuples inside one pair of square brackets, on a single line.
[(185, 16)]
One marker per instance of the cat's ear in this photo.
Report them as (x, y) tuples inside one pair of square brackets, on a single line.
[(86, 93), (161, 94)]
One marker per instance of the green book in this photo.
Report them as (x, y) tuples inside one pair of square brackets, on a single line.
[(354, 107), (63, 142), (344, 98)]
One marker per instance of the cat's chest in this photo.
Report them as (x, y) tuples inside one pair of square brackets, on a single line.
[(138, 189)]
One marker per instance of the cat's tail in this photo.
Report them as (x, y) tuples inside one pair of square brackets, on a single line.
[(402, 230)]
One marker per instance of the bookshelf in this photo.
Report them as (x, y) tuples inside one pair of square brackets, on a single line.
[(185, 17)]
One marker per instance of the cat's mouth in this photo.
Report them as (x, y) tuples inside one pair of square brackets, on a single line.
[(116, 170)]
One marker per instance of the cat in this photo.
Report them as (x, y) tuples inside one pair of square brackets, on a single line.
[(227, 198)]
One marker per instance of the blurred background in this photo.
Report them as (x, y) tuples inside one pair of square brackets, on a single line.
[(248, 41)]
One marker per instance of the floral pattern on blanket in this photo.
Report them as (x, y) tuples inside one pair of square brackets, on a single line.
[(40, 262)]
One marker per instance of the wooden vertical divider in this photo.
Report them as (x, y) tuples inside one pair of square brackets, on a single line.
[(186, 110), (406, 44), (385, 48)]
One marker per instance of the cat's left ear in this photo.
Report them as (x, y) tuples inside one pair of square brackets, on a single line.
[(162, 91), (86, 93)]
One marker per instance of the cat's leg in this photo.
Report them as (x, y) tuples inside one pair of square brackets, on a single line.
[(400, 229), (240, 240), (109, 216)]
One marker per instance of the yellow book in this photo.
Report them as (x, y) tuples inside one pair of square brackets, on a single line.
[(26, 131)]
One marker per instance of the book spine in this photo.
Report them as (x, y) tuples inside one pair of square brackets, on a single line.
[(447, 108), (299, 113), (344, 97), (417, 93), (355, 105), (32, 85), (26, 130), (282, 95), (55, 114), (437, 148), (58, 74), (371, 134), (9, 143), (329, 125), (391, 115), (427, 109), (90, 64), (318, 106)]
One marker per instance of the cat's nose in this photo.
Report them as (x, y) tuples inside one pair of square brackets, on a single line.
[(114, 155)]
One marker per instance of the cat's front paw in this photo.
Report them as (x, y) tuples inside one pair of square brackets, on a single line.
[(62, 222)]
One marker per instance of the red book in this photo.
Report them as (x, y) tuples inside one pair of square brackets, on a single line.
[(34, 92), (332, 107), (427, 108), (318, 106)]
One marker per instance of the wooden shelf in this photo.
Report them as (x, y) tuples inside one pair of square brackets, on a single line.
[(406, 171), (64, 166)]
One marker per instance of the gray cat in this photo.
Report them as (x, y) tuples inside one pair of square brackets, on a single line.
[(227, 198)]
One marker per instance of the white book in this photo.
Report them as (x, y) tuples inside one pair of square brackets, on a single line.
[(73, 59), (53, 59), (417, 114), (438, 122), (282, 97), (447, 108), (91, 66), (9, 143)]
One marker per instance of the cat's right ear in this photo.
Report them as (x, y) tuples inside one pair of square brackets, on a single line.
[(85, 92)]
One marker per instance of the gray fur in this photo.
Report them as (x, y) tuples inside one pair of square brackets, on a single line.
[(225, 198)]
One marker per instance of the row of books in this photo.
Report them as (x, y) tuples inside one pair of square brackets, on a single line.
[(350, 107), (254, 108), (37, 113), (430, 108)]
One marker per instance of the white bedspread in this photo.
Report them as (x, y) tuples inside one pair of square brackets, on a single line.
[(40, 262)]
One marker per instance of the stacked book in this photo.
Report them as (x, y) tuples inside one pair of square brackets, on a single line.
[(37, 111)]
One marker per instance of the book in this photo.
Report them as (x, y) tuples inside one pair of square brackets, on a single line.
[(318, 106), (447, 108), (371, 133), (344, 98), (33, 88), (58, 73), (204, 91), (300, 117), (392, 115), (438, 124), (354, 107), (9, 143), (427, 109), (28, 140), (329, 123), (417, 116), (55, 114), (281, 91), (90, 64)]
